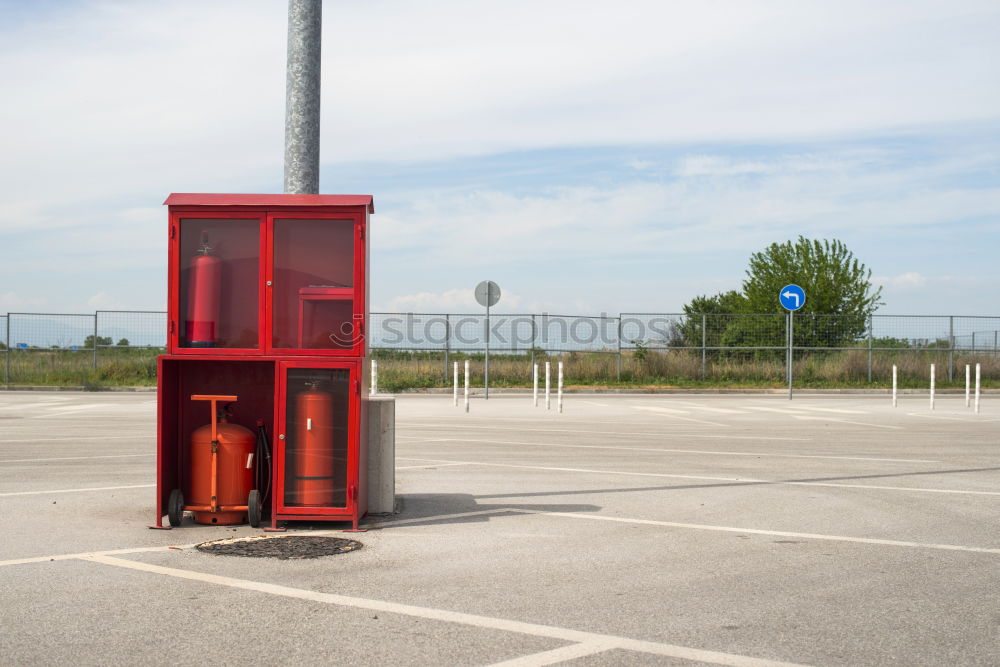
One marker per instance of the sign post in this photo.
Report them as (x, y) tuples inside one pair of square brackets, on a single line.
[(487, 294), (792, 297)]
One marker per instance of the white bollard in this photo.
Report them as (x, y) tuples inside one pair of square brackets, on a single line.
[(932, 386), (967, 385), (894, 385), (977, 389), (374, 385), (534, 379), (548, 373), (559, 390), (466, 385), (456, 384)]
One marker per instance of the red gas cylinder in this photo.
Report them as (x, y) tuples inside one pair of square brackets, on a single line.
[(234, 473), (204, 294), (313, 465)]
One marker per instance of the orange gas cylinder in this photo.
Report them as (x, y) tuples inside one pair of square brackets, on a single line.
[(313, 466), (234, 447)]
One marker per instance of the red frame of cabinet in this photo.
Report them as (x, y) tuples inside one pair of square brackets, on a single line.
[(265, 209)]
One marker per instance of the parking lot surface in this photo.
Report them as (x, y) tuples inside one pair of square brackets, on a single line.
[(629, 529)]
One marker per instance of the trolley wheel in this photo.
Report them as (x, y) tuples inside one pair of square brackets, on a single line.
[(175, 507), (254, 508)]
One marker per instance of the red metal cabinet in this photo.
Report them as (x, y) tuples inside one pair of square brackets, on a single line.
[(267, 300), (320, 467), (268, 274)]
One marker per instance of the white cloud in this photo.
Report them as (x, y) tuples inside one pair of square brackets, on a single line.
[(908, 280)]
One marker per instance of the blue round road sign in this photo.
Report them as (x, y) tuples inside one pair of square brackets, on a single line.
[(792, 297)]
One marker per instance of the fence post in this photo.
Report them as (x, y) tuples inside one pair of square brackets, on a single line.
[(704, 339), (533, 339), (447, 344), (619, 347), (95, 340), (869, 349), (951, 347), (6, 372)]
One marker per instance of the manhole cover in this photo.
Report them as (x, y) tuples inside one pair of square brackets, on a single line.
[(284, 547)]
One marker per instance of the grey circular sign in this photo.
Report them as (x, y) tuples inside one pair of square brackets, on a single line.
[(487, 293)]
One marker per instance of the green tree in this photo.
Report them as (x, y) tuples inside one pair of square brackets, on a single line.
[(123, 342), (88, 342), (839, 298)]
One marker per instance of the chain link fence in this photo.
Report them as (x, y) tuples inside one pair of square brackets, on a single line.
[(673, 348)]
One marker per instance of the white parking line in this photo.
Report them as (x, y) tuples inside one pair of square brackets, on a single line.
[(444, 615), (844, 421), (675, 414), (773, 533), (733, 480), (76, 458), (91, 488), (430, 465), (618, 434), (557, 655), (677, 451), (82, 437)]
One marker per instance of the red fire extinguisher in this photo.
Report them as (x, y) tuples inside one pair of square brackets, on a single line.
[(312, 459), (204, 294), (221, 473)]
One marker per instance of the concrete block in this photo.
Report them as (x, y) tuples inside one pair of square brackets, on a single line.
[(381, 454)]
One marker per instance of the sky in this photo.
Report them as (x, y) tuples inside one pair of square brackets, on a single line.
[(589, 157)]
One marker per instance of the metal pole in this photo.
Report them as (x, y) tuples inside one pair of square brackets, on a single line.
[(869, 349), (548, 375), (559, 388), (619, 347), (6, 372), (486, 365), (951, 348), (466, 385), (894, 385), (456, 384), (932, 386), (302, 96), (534, 382), (791, 354), (967, 378), (95, 341), (374, 387), (977, 386), (447, 344), (704, 342), (532, 353)]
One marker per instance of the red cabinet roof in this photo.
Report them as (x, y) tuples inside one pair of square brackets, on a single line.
[(204, 199)]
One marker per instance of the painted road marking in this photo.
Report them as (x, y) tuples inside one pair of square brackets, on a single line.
[(619, 433), (749, 481), (77, 458), (678, 451), (430, 465), (91, 488), (699, 406), (444, 615), (773, 533), (675, 414), (83, 437), (557, 655), (844, 421)]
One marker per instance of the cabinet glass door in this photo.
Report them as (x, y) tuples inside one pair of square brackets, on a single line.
[(219, 283), (316, 426), (313, 287)]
